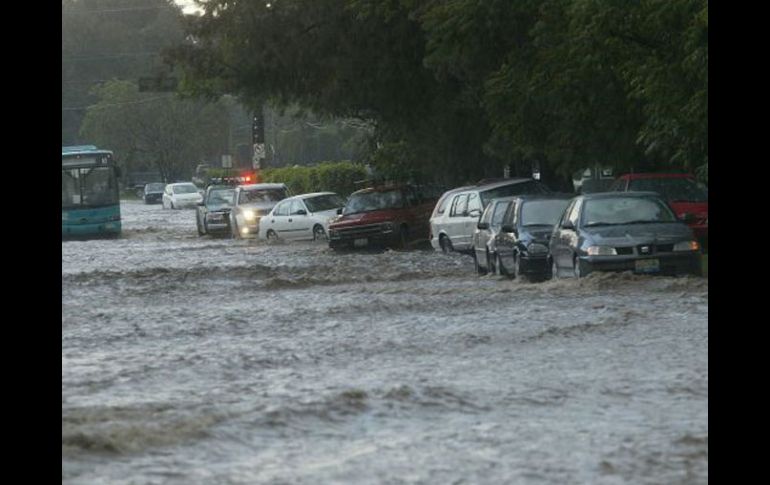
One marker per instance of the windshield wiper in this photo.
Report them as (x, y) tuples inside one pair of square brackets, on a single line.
[(595, 224)]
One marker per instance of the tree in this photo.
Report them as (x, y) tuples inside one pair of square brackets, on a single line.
[(155, 130)]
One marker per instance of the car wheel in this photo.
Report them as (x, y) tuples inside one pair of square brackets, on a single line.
[(318, 233), (271, 235), (446, 244), (477, 267)]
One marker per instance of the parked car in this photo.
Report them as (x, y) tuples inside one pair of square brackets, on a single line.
[(213, 214), (250, 204), (181, 195), (453, 228), (153, 193), (615, 231), (688, 198), (439, 210), (301, 217), (521, 244), (484, 250), (392, 216)]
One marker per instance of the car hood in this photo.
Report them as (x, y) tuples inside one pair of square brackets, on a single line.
[(536, 234), (188, 196), (373, 217), (326, 214), (218, 208), (261, 206), (631, 234)]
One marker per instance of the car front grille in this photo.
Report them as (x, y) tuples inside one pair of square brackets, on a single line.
[(356, 231)]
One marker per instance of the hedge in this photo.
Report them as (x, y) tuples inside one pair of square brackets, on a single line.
[(339, 177)]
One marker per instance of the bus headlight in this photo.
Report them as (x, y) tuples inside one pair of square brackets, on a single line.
[(601, 251)]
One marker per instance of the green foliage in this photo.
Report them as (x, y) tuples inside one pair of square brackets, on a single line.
[(457, 89), (339, 177)]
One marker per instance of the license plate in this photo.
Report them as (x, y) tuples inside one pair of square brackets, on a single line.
[(360, 242), (647, 265)]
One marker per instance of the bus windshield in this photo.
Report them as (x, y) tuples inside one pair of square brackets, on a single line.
[(88, 187)]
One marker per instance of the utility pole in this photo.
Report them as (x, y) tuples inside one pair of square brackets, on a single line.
[(258, 139)]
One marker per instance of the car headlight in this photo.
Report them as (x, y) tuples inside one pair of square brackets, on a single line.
[(536, 248), (601, 251), (687, 246), (249, 215)]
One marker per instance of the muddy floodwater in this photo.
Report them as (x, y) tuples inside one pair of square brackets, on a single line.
[(191, 359)]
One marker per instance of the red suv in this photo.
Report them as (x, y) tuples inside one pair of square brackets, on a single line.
[(688, 198), (392, 216)]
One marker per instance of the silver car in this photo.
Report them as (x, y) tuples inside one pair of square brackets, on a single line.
[(250, 204), (484, 249), (452, 228)]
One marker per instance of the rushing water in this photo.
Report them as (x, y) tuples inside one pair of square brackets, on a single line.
[(204, 360)]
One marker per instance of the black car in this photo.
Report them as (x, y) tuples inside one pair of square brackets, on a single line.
[(522, 242), (622, 231), (153, 193), (213, 214)]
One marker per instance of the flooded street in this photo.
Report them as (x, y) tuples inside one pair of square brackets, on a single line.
[(207, 360)]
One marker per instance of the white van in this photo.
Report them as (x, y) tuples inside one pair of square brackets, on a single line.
[(458, 210)]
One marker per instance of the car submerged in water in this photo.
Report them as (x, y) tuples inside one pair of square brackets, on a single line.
[(250, 204), (213, 214), (153, 192), (391, 216), (302, 217), (622, 231)]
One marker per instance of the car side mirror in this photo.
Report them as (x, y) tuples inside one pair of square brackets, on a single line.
[(301, 212), (507, 228), (201, 203), (687, 217), (483, 225), (339, 211), (474, 213), (568, 225)]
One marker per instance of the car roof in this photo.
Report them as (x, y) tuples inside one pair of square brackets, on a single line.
[(555, 196), (382, 188), (262, 186), (181, 183), (312, 194), (656, 175), (609, 195), (502, 183)]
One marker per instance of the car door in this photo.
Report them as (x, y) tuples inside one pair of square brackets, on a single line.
[(505, 240), (567, 237), (471, 216), (481, 236), (455, 224), (298, 223), (278, 220)]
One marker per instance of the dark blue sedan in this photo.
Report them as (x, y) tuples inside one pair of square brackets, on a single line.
[(522, 242), (622, 231)]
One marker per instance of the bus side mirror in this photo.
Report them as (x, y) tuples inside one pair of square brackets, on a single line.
[(117, 171)]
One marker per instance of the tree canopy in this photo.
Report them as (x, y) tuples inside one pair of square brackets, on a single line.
[(463, 87)]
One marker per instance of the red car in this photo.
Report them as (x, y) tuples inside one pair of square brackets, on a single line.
[(391, 216), (688, 198)]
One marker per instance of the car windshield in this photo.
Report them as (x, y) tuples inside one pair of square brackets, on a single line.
[(185, 189), (625, 210), (372, 201), (221, 197), (155, 187), (528, 187), (261, 195), (542, 212), (673, 189), (324, 202)]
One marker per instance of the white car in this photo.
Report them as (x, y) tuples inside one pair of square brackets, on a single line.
[(302, 217), (250, 204), (181, 195)]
